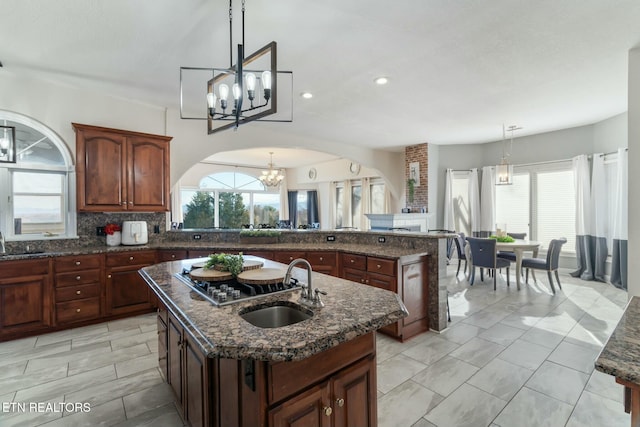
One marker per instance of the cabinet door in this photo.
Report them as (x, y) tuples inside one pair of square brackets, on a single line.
[(309, 409), (195, 387), (148, 174), (126, 290), (101, 170), (24, 304), (354, 395), (174, 365), (163, 349), (415, 292)]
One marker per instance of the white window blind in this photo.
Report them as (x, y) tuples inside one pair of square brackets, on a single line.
[(541, 202), (513, 205), (555, 214)]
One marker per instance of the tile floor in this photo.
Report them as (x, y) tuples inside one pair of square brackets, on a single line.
[(509, 358)]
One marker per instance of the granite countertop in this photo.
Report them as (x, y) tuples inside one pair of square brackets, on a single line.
[(375, 250), (351, 310), (620, 356)]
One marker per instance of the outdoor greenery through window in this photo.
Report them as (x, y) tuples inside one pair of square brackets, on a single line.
[(230, 200), (37, 187)]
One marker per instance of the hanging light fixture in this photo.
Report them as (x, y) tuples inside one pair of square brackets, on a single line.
[(504, 171), (7, 144), (239, 82), (272, 177)]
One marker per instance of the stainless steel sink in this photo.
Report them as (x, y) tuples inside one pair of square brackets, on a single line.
[(277, 316)]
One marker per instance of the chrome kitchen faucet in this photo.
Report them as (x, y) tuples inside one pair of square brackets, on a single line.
[(2, 248), (308, 297)]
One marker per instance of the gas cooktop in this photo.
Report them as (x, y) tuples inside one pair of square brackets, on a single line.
[(220, 293)]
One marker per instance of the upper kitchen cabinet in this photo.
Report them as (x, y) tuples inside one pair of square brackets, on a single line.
[(120, 170)]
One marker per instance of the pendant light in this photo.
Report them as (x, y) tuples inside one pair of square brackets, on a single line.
[(504, 171)]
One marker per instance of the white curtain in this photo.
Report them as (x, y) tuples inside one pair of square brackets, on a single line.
[(346, 205), (591, 218), (620, 222), (474, 202), (332, 205), (449, 223), (284, 199), (488, 202), (365, 204)]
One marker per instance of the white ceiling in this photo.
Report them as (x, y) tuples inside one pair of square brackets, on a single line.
[(457, 69)]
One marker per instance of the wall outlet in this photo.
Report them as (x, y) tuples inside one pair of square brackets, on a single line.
[(100, 231), (156, 229), (197, 236), (331, 238), (382, 239)]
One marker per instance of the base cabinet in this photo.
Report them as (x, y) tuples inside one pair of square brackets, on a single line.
[(25, 298), (310, 409), (126, 290), (345, 400), (335, 388), (187, 371)]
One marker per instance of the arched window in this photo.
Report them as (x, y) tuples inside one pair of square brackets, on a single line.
[(40, 186), (230, 200)]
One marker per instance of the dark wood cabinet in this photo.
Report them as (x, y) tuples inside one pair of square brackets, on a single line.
[(163, 345), (187, 372), (78, 288), (406, 276), (126, 291), (309, 409), (175, 344), (348, 398), (25, 298), (120, 170), (354, 395)]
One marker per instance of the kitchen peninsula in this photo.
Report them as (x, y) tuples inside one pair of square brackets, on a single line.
[(225, 371)]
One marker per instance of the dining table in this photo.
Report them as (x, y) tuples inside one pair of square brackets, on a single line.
[(518, 247)]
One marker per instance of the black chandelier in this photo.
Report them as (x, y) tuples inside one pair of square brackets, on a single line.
[(253, 78)]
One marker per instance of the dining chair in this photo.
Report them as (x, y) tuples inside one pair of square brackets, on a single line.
[(550, 264), (459, 241), (510, 255), (483, 255)]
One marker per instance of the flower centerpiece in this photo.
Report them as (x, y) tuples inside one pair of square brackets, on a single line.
[(114, 235)]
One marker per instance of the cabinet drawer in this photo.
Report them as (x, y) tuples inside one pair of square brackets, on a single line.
[(131, 258), (321, 258), (169, 255), (381, 266), (74, 311), (22, 268), (70, 293), (382, 281), (358, 262), (287, 257), (77, 278), (75, 263)]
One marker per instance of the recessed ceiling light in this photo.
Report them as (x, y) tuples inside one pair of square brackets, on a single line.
[(306, 95), (381, 80)]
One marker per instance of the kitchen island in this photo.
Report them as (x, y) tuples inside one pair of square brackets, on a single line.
[(620, 357), (225, 371)]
